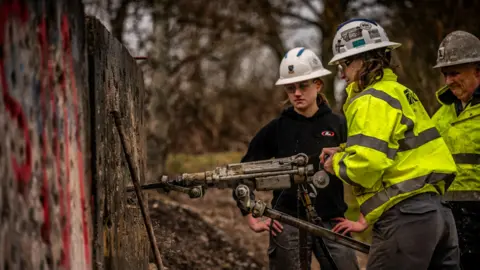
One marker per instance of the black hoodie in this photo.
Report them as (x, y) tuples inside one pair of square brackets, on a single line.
[(292, 133)]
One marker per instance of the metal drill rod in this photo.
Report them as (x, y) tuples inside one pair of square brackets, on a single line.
[(225, 178), (228, 181), (157, 186), (317, 230)]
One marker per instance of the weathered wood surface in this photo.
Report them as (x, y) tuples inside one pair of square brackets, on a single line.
[(116, 82), (44, 205)]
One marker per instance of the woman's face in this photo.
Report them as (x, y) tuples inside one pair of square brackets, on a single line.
[(303, 95), (350, 69)]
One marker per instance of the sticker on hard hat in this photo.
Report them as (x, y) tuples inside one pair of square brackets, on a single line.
[(365, 25), (358, 43), (339, 46), (351, 33), (290, 69), (441, 53), (374, 33), (328, 133)]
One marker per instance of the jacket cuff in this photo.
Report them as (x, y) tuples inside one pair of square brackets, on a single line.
[(335, 160)]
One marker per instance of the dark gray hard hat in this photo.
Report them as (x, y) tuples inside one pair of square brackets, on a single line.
[(458, 47)]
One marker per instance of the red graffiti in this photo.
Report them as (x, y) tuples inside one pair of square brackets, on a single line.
[(47, 91), (66, 190), (68, 49), (49, 100), (42, 38), (23, 171), (64, 196)]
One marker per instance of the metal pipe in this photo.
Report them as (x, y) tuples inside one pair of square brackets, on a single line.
[(317, 230)]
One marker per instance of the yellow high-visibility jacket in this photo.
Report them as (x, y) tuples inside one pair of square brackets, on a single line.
[(393, 149), (462, 134)]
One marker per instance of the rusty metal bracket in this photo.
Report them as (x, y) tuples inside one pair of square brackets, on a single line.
[(138, 191)]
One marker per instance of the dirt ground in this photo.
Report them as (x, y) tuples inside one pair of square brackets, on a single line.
[(186, 241), (208, 233)]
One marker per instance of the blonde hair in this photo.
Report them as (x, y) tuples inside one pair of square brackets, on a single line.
[(321, 98)]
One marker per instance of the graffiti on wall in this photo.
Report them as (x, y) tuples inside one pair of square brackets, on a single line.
[(42, 195)]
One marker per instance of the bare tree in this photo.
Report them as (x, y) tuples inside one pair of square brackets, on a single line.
[(212, 65), (195, 54), (420, 26)]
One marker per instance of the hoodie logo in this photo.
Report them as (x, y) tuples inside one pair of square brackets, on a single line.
[(328, 133)]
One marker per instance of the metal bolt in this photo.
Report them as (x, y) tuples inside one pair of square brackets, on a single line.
[(195, 193), (241, 191)]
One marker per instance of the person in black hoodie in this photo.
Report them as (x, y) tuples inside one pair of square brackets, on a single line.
[(308, 126)]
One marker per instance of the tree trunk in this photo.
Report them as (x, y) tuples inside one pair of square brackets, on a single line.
[(160, 97), (334, 14)]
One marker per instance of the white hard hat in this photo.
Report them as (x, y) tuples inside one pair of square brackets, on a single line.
[(358, 36), (300, 64)]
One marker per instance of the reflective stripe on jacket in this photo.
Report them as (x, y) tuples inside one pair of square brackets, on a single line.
[(393, 149), (460, 128)]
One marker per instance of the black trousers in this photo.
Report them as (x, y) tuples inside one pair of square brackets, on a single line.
[(467, 219), (417, 233), (283, 252)]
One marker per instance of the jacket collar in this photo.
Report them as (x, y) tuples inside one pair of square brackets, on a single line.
[(388, 75), (446, 97)]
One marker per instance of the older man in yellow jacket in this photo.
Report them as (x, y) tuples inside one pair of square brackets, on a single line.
[(458, 121)]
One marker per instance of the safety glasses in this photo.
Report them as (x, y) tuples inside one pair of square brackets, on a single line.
[(343, 64), (291, 88)]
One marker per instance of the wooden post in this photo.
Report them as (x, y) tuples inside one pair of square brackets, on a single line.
[(44, 190), (116, 84)]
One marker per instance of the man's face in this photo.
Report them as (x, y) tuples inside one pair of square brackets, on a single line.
[(462, 80)]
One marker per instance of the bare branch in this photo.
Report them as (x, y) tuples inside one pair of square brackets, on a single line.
[(192, 58), (118, 22), (309, 4), (299, 17)]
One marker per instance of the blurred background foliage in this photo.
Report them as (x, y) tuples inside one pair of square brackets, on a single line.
[(212, 65)]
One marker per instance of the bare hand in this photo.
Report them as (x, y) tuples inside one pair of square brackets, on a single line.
[(327, 163), (347, 226), (258, 225)]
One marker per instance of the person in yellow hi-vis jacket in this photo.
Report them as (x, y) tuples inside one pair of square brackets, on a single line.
[(458, 121), (394, 157)]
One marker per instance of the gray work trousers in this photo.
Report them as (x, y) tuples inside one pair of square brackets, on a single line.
[(417, 233), (284, 254)]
